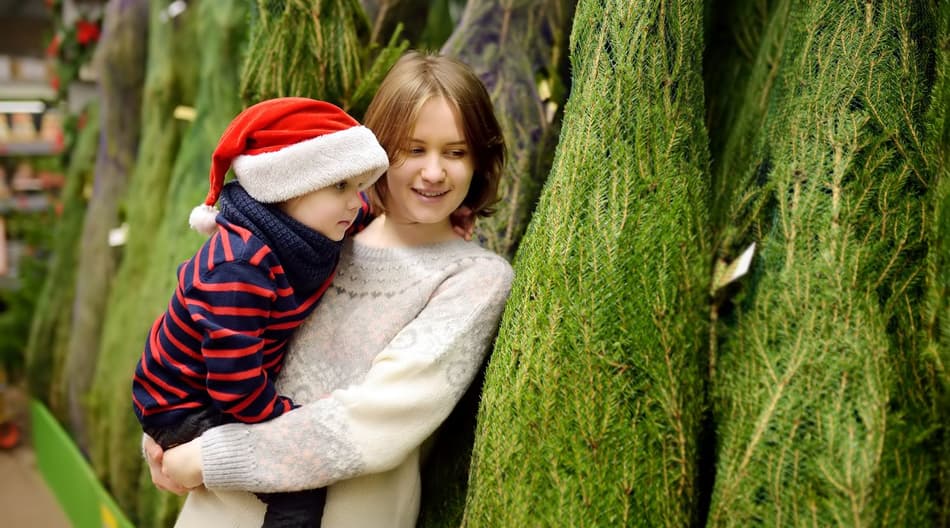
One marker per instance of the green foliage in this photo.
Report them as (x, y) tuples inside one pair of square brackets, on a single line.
[(810, 383), (593, 397), (936, 310), (49, 329), (18, 301), (515, 47), (289, 37), (170, 80), (121, 68)]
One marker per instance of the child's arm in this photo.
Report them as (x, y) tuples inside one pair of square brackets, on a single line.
[(233, 304)]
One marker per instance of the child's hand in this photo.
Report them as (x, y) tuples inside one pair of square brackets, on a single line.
[(154, 455), (183, 464), (463, 222)]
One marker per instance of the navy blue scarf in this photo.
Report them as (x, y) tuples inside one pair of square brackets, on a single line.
[(307, 256)]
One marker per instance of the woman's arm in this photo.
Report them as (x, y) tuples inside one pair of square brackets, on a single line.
[(410, 389)]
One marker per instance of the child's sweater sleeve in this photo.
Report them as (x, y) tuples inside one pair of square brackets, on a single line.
[(232, 303), (410, 389)]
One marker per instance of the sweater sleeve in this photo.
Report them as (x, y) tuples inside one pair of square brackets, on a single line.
[(371, 427), (232, 303)]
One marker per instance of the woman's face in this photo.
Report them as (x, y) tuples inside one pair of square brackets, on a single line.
[(433, 178)]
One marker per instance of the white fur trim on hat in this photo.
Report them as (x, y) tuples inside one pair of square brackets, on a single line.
[(311, 164), (202, 218)]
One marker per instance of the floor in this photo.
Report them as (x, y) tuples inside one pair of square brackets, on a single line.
[(25, 501)]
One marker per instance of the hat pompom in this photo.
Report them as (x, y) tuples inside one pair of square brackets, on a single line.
[(202, 219)]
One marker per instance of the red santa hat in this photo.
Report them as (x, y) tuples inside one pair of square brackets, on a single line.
[(287, 147)]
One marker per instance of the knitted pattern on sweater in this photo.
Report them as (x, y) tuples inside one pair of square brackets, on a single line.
[(394, 344)]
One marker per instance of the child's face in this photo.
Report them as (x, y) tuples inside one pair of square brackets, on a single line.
[(329, 210), (433, 178)]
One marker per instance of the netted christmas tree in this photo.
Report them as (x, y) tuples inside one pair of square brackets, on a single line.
[(936, 308), (805, 383), (120, 63), (593, 397), (170, 82), (518, 50), (49, 330)]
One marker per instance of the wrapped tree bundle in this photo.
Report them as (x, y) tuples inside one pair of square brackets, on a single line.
[(806, 382), (306, 48), (742, 61), (507, 45), (514, 47), (49, 330), (171, 77), (222, 29), (594, 394), (120, 63), (936, 313)]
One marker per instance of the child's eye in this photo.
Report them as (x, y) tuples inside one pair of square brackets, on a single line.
[(340, 186), (416, 150)]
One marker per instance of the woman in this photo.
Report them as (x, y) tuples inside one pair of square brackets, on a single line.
[(396, 340)]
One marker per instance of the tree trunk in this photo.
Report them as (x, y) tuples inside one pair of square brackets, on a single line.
[(594, 394), (120, 63)]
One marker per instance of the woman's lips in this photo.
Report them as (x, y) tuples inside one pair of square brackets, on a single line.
[(430, 193)]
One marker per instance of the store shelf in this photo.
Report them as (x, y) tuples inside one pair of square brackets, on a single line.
[(26, 90), (25, 203), (31, 148)]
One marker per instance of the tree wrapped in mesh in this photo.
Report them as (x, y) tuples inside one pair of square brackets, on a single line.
[(806, 384), (52, 320), (518, 50), (120, 63), (936, 310), (171, 79), (594, 394)]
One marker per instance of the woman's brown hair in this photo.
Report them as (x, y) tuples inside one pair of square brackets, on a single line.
[(415, 79)]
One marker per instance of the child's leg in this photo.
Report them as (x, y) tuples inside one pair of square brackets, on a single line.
[(295, 509)]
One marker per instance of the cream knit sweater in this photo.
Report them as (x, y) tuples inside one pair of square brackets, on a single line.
[(389, 351)]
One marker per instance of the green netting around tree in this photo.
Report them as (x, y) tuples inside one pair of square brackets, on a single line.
[(806, 388), (593, 398)]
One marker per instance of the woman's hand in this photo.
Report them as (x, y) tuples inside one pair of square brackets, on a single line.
[(463, 222), (182, 464), (154, 455)]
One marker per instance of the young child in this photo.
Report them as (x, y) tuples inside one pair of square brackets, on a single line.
[(212, 357)]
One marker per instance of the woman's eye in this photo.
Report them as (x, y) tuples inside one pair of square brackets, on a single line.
[(416, 150), (457, 153)]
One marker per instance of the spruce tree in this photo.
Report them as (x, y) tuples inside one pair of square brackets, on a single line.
[(305, 48), (514, 48), (222, 31), (170, 81), (806, 379), (936, 309), (120, 63), (593, 396), (49, 330)]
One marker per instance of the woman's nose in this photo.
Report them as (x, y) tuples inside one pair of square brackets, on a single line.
[(432, 171)]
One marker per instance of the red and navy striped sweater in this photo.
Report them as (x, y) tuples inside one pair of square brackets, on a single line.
[(222, 340)]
